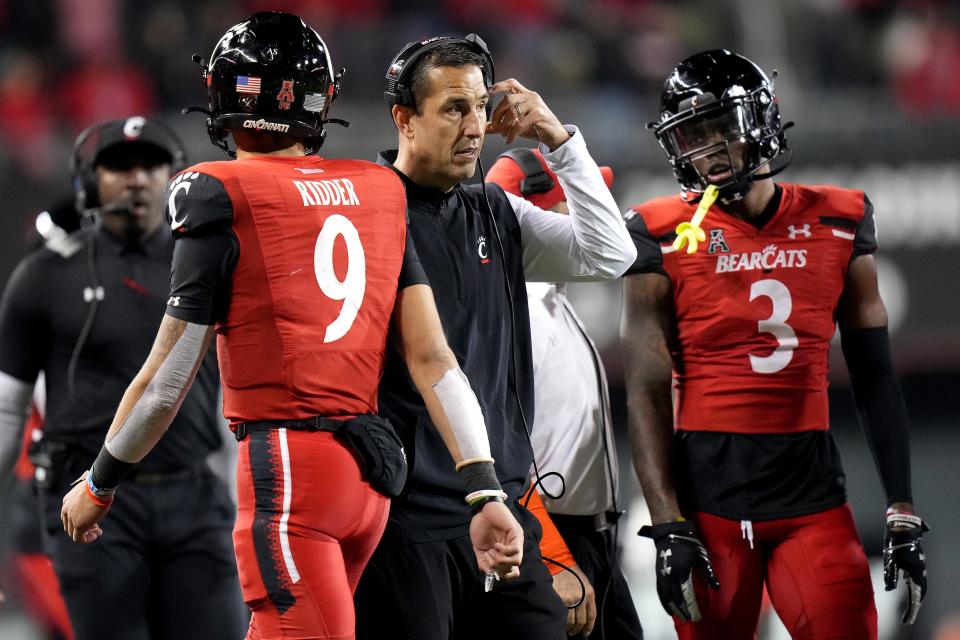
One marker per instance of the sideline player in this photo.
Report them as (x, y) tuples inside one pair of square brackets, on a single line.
[(297, 264), (739, 309)]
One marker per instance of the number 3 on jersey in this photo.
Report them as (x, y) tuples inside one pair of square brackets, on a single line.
[(354, 283), (776, 324)]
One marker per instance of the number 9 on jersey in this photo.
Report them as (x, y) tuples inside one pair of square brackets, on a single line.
[(353, 285)]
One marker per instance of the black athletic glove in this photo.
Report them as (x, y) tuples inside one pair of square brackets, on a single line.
[(902, 551), (679, 551)]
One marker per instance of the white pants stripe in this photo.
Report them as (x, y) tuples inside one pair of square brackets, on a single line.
[(287, 497)]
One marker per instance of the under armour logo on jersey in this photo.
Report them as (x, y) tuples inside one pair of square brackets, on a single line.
[(717, 242), (90, 294), (665, 566), (180, 184), (801, 231), (308, 171), (174, 301), (482, 249)]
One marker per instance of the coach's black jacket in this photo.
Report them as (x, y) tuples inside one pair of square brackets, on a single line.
[(458, 249)]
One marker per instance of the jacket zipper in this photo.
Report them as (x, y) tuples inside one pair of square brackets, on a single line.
[(451, 253)]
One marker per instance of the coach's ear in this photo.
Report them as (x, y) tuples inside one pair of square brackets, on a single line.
[(402, 116)]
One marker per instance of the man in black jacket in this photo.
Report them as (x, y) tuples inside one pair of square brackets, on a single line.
[(478, 247), (84, 310)]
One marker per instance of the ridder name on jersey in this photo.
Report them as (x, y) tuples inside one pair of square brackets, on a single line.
[(337, 192), (769, 258)]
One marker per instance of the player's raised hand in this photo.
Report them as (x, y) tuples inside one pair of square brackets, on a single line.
[(679, 552), (903, 553), (497, 540), (80, 513), (523, 114)]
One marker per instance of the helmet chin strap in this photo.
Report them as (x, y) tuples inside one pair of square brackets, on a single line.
[(735, 191)]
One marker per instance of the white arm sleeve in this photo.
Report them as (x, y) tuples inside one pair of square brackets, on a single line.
[(463, 412), (15, 397), (592, 243), (158, 405)]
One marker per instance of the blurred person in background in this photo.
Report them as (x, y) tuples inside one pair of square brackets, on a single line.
[(572, 433), (478, 246), (29, 570), (83, 309), (749, 489), (27, 118), (299, 265)]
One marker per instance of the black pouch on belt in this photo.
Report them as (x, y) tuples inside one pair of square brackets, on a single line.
[(50, 460), (378, 450)]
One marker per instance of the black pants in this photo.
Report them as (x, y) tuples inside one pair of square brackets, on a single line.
[(434, 591), (163, 569), (616, 615)]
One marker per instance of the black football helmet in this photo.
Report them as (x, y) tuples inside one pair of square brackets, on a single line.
[(711, 100), (270, 73)]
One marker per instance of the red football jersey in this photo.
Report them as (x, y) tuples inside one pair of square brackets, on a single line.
[(321, 244), (755, 307)]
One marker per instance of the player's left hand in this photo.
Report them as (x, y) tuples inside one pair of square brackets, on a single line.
[(523, 114), (80, 514), (903, 552)]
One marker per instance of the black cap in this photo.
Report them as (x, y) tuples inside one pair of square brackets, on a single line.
[(135, 130)]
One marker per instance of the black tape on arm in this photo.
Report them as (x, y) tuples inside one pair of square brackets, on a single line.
[(107, 470), (880, 407), (480, 476)]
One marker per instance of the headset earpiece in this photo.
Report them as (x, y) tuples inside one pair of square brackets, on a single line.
[(84, 180)]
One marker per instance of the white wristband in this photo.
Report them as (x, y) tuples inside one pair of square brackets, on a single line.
[(902, 519), (485, 493)]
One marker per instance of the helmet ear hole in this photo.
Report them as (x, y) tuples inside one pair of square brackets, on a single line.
[(771, 114)]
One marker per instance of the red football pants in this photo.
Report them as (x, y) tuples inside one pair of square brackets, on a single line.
[(815, 570), (307, 524)]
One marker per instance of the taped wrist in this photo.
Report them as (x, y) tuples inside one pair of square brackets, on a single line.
[(107, 470), (880, 407), (482, 485)]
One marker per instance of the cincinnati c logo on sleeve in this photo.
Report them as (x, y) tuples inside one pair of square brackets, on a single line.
[(180, 184)]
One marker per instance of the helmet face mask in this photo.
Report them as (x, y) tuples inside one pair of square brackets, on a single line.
[(718, 112), (271, 73)]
